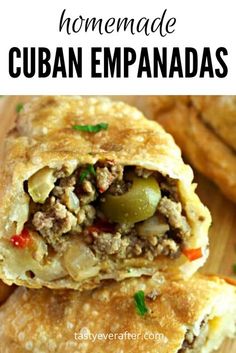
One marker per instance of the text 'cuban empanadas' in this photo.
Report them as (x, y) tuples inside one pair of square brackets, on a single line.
[(90, 191), (152, 316)]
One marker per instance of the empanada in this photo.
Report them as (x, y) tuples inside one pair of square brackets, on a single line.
[(141, 315), (205, 129), (219, 113), (92, 191)]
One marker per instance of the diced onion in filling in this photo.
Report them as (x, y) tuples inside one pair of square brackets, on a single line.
[(80, 262), (72, 201), (153, 226), (41, 184), (20, 213)]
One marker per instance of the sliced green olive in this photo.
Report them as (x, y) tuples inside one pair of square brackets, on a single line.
[(137, 204), (41, 184)]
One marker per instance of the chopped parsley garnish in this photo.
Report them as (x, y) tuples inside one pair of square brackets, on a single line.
[(139, 299), (89, 170), (91, 128), (19, 107), (234, 268)]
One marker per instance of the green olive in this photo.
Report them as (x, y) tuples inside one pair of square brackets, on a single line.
[(137, 204), (41, 184)]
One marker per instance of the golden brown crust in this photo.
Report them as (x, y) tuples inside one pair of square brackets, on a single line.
[(219, 112), (36, 320), (44, 137), (204, 149)]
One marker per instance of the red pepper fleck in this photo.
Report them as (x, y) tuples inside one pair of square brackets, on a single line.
[(21, 240), (101, 226), (193, 254)]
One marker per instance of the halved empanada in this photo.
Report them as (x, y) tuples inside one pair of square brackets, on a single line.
[(91, 191)]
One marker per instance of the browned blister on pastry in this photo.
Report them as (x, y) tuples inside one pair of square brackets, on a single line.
[(146, 314), (92, 191), (5, 291)]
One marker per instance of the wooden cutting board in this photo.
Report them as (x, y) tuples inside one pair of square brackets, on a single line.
[(222, 233)]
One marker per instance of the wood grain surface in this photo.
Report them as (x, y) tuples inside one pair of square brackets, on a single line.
[(222, 233)]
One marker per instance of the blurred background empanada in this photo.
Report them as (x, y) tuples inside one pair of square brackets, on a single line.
[(219, 113), (205, 129)]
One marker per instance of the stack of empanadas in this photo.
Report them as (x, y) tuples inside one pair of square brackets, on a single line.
[(96, 196)]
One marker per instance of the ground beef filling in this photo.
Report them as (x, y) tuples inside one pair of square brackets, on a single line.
[(192, 343), (72, 209)]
